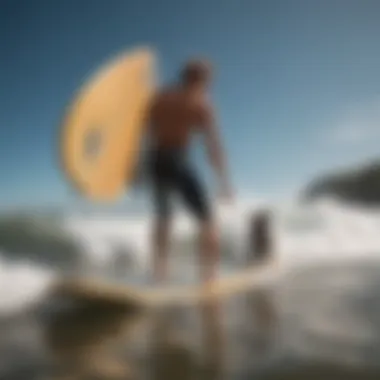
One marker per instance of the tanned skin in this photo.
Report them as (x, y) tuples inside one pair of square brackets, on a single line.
[(176, 114)]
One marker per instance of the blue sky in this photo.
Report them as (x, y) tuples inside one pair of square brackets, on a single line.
[(297, 86)]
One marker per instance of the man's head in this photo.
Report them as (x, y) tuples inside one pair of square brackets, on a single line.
[(196, 73)]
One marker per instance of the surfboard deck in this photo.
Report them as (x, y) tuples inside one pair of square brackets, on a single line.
[(101, 131), (97, 289)]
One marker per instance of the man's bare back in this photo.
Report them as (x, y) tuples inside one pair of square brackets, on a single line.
[(175, 115)]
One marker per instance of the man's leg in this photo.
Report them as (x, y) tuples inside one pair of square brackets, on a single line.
[(161, 176), (209, 250), (160, 249), (195, 197), (161, 232)]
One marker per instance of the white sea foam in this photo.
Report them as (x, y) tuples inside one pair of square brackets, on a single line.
[(322, 231), (21, 285)]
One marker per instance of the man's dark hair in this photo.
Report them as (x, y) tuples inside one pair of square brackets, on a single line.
[(195, 71)]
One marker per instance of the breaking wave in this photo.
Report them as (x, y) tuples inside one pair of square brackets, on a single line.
[(35, 248)]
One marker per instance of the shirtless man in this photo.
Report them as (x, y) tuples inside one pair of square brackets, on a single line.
[(177, 112)]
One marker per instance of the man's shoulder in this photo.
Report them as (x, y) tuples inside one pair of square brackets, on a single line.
[(166, 90), (204, 105), (162, 94)]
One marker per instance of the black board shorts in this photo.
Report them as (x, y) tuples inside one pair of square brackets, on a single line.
[(171, 173)]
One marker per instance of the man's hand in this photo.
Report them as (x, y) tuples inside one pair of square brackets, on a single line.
[(215, 151)]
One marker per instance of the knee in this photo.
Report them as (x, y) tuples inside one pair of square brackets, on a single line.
[(210, 231), (161, 228)]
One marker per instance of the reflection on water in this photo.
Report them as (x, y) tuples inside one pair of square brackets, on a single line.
[(319, 322), (170, 356), (85, 341), (213, 342), (98, 341), (261, 320)]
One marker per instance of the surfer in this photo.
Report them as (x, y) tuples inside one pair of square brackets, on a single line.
[(176, 113)]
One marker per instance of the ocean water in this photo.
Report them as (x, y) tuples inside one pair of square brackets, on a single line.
[(318, 315)]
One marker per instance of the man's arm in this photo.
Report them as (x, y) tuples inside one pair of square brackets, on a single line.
[(214, 146)]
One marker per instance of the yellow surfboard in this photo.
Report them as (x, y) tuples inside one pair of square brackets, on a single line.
[(103, 126)]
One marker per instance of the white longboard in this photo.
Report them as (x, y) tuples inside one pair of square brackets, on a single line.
[(92, 288)]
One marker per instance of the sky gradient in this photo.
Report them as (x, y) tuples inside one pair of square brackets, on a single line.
[(297, 83)]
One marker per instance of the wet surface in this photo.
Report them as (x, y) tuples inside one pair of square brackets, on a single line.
[(318, 321)]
